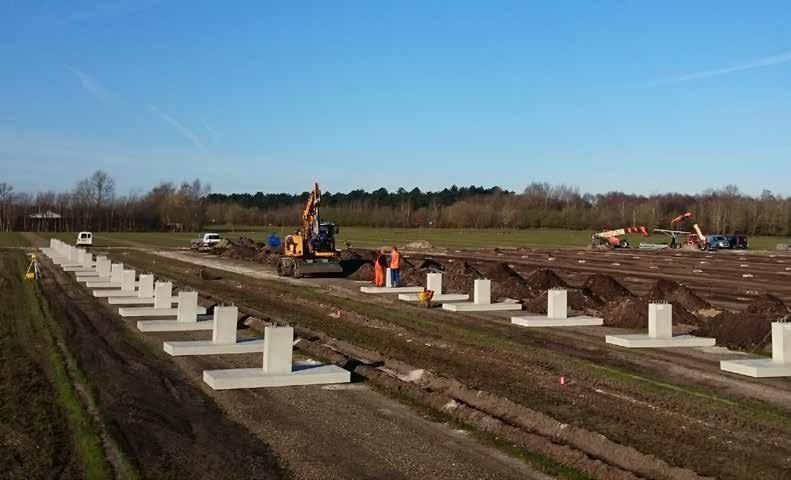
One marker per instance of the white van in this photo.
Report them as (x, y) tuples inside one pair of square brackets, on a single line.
[(84, 239)]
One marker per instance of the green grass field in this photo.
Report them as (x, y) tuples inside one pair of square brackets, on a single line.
[(12, 239), (377, 237)]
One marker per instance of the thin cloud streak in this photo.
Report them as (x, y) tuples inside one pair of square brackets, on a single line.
[(778, 59), (183, 130), (91, 84)]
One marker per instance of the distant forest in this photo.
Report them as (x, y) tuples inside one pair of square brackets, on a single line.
[(94, 204)]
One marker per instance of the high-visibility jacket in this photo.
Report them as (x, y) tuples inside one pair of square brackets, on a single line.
[(395, 258)]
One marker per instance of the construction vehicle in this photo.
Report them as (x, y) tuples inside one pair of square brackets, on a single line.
[(311, 250), (613, 238), (694, 240), (206, 242)]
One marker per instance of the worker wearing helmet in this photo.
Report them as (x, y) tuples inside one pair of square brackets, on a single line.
[(395, 262)]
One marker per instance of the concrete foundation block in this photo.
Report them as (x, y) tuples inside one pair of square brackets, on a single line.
[(660, 320), (477, 307), (138, 301), (114, 293), (778, 366), (391, 289), (207, 347), (203, 323), (277, 369), (303, 373), (482, 292), (544, 321), (163, 293), (154, 312), (145, 286), (388, 279), (187, 310), (646, 341), (557, 303), (434, 283)]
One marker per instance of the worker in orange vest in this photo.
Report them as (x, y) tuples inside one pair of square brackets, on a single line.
[(380, 267), (395, 262)]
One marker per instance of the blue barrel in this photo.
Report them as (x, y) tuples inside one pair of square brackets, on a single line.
[(273, 240)]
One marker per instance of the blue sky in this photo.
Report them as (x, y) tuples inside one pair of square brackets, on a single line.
[(642, 97)]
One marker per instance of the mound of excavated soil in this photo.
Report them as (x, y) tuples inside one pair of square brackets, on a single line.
[(544, 279), (606, 287), (364, 272), (677, 294), (632, 312), (429, 264), (460, 277), (740, 331), (498, 272), (241, 252), (768, 304), (580, 300)]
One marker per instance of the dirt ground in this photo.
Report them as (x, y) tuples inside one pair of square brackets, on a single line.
[(35, 441), (172, 425), (672, 404)]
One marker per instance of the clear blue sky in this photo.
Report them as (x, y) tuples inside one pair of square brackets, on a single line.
[(636, 96)]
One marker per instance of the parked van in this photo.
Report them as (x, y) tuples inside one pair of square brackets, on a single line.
[(84, 239), (717, 241)]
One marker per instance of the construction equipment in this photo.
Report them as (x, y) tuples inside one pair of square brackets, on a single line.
[(694, 240), (32, 272), (311, 250), (612, 238)]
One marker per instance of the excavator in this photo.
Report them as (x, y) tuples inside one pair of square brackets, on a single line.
[(612, 238), (311, 249), (695, 240)]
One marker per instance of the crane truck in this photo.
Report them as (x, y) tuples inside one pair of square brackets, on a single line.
[(311, 250), (613, 238)]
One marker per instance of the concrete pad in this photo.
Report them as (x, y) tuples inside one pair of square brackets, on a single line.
[(646, 341), (98, 284), (544, 321), (114, 293), (443, 297), (136, 301), (481, 307), (302, 373), (391, 289), (757, 368), (79, 268), (207, 347), (154, 312), (206, 323)]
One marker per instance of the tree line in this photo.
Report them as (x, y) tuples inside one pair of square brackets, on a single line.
[(94, 204)]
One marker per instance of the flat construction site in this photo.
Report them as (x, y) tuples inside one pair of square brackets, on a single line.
[(437, 394)]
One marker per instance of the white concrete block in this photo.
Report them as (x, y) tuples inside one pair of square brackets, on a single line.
[(391, 289), (163, 292), (187, 308), (303, 373), (778, 366), (117, 272), (207, 347), (138, 301), (646, 341), (115, 293), (481, 307), (145, 286), (482, 292), (278, 349), (557, 303), (434, 283), (544, 321), (128, 281), (660, 320), (388, 279), (153, 312), (203, 323), (225, 319), (781, 342)]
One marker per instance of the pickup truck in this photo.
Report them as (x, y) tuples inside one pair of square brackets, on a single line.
[(205, 242)]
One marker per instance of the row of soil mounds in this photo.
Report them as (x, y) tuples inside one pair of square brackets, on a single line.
[(600, 294)]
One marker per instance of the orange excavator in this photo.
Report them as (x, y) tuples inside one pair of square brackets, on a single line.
[(614, 238), (311, 249)]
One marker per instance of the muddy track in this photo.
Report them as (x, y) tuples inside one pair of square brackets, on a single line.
[(675, 423)]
